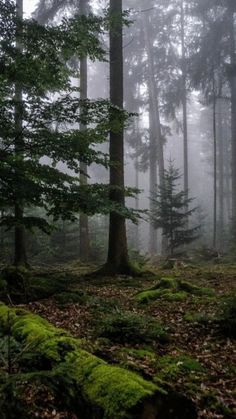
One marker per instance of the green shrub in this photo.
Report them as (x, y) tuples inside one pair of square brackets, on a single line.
[(103, 305), (71, 297), (227, 317), (128, 327)]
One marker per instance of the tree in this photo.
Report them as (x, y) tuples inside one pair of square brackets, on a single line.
[(171, 211), (117, 259), (20, 245), (84, 226), (40, 115), (216, 53)]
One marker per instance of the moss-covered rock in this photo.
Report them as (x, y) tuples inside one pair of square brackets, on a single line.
[(172, 289)]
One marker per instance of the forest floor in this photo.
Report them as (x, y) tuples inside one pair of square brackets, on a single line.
[(174, 339)]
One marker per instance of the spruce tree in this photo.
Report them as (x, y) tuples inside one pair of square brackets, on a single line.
[(171, 211)]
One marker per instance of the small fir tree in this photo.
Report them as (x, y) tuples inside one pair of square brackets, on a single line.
[(171, 211)]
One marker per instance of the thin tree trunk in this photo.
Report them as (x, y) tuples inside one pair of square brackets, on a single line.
[(215, 164), (156, 145), (117, 259), (227, 170), (20, 246), (136, 167), (221, 138), (137, 203), (184, 101), (233, 115), (83, 225), (152, 181)]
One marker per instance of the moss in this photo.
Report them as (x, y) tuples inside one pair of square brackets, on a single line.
[(193, 289), (139, 353), (32, 328), (172, 289), (170, 367), (114, 389)]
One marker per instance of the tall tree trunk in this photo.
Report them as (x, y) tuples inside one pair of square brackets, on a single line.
[(153, 180), (20, 246), (156, 145), (136, 167), (83, 225), (215, 163), (184, 101), (233, 114), (136, 235), (117, 259), (227, 168), (221, 138)]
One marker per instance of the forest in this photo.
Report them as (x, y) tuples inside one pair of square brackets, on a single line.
[(117, 209)]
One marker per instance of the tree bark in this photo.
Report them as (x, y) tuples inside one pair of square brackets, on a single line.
[(156, 140), (136, 167), (83, 224), (20, 245), (221, 138), (184, 101), (117, 259), (215, 163), (233, 113), (153, 248)]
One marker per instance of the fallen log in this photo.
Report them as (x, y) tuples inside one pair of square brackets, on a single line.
[(93, 388)]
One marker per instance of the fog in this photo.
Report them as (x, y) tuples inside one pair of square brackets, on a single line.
[(183, 112)]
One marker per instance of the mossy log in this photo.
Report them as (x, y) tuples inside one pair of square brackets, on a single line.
[(92, 387)]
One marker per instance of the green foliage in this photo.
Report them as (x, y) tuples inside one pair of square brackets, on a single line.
[(99, 305), (50, 109), (71, 297), (128, 327), (172, 289), (227, 317), (171, 211), (171, 367), (114, 391), (210, 399)]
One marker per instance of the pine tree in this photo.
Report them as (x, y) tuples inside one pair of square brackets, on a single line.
[(172, 211)]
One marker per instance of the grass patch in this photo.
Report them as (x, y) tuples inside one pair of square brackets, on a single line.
[(169, 368)]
